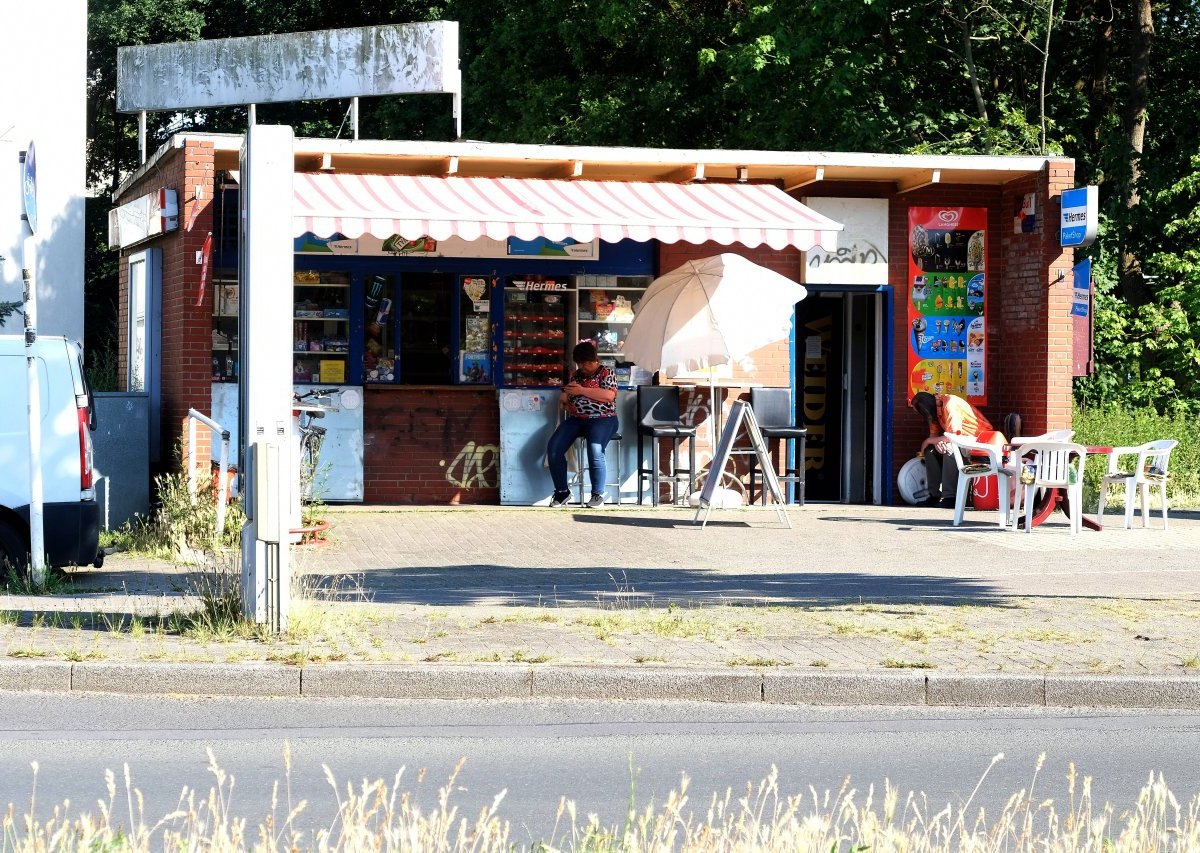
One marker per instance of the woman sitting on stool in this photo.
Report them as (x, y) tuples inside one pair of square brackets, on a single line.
[(590, 398)]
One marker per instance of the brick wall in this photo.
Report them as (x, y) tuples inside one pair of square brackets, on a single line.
[(186, 335), (1036, 315), (1028, 319), (431, 446)]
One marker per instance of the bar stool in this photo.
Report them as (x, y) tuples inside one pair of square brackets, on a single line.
[(658, 418), (773, 411), (577, 479)]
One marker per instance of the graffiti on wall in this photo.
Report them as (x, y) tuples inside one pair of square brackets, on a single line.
[(475, 466), (864, 252)]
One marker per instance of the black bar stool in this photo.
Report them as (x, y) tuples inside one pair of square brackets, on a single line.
[(773, 411), (658, 418), (581, 468)]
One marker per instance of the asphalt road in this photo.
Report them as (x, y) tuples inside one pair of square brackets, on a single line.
[(540, 751)]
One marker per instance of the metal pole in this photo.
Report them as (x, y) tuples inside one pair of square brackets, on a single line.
[(354, 116), (37, 541), (217, 429), (142, 135), (191, 456)]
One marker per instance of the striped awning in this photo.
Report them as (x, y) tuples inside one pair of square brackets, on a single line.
[(415, 206)]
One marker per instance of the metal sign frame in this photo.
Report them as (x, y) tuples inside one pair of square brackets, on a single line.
[(739, 414)]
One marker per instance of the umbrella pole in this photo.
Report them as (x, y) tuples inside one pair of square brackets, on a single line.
[(716, 412)]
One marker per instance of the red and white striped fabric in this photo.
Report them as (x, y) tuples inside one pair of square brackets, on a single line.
[(415, 206)]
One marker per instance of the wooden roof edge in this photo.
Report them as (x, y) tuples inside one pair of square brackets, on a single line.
[(793, 168)]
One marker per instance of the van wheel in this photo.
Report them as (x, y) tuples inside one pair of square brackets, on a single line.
[(14, 552)]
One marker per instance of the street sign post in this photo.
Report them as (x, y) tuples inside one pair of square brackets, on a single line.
[(37, 548)]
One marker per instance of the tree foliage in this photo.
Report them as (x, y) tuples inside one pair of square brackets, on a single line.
[(1111, 84)]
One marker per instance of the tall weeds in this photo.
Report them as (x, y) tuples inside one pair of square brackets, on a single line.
[(181, 526), (1117, 426), (377, 815)]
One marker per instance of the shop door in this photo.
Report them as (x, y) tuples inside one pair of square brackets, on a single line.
[(839, 390)]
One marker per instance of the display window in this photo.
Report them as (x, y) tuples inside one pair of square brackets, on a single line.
[(379, 335), (379, 323), (320, 327), (535, 330), (474, 330), (425, 355)]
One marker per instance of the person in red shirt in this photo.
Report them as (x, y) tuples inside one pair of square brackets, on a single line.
[(946, 413), (590, 398)]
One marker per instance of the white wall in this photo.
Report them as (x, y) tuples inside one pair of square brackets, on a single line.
[(43, 66)]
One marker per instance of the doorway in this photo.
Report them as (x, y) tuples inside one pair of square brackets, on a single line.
[(841, 385)]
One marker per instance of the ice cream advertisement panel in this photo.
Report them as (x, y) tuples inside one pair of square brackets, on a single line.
[(947, 287)]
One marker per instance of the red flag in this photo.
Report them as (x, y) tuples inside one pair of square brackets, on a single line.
[(196, 205)]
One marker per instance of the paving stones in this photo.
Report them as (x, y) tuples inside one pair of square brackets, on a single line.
[(853, 605)]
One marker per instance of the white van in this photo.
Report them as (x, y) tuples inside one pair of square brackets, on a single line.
[(71, 527)]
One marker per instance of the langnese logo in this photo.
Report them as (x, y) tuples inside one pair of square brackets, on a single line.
[(948, 217)]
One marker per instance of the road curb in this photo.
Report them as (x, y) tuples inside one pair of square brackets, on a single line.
[(486, 682), (415, 682), (204, 679), (43, 676)]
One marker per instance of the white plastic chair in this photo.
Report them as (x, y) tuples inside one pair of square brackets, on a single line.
[(1148, 472), (974, 460), (1056, 465), (1052, 435), (1015, 466)]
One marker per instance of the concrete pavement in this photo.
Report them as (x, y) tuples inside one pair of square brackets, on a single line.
[(875, 605)]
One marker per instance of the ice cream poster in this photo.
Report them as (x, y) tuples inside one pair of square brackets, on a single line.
[(947, 290)]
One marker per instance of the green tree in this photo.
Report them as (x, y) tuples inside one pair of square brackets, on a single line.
[(1109, 84), (112, 138)]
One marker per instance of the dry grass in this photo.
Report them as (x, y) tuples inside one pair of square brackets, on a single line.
[(377, 815)]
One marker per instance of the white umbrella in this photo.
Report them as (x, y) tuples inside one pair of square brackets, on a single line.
[(710, 312)]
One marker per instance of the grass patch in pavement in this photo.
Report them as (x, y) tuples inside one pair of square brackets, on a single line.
[(672, 623), (756, 662), (893, 663)]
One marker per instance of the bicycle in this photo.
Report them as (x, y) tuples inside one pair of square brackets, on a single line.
[(312, 436)]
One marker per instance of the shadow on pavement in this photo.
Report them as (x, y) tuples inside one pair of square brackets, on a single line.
[(629, 520), (503, 585)]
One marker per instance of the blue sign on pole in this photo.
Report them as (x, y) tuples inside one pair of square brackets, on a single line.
[(1083, 288), (29, 188), (1080, 216)]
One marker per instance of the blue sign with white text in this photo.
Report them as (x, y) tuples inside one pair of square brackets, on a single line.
[(1081, 297), (1080, 216)]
